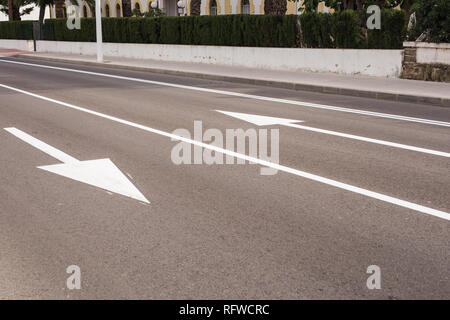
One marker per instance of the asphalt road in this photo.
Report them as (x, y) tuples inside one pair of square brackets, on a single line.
[(216, 231)]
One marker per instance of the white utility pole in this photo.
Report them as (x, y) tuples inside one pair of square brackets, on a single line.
[(98, 23)]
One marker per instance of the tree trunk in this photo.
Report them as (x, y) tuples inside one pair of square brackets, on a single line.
[(59, 8), (406, 6), (41, 13), (16, 13), (126, 8), (277, 7), (195, 7), (10, 10)]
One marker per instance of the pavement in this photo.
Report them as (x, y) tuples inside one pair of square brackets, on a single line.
[(360, 182), (391, 89)]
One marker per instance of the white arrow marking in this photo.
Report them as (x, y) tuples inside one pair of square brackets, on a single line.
[(101, 173), (330, 182), (264, 120)]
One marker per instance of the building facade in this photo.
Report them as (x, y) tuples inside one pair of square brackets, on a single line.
[(113, 8)]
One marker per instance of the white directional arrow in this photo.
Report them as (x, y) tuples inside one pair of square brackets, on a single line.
[(264, 120), (101, 173)]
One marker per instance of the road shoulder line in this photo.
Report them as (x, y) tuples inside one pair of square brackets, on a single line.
[(380, 95)]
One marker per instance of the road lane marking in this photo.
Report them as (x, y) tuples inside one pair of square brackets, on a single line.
[(101, 173), (242, 95), (310, 176), (38, 144), (265, 120)]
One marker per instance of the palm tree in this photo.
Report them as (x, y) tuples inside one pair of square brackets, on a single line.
[(42, 4), (59, 8), (195, 7), (10, 11), (12, 8), (126, 8), (275, 7)]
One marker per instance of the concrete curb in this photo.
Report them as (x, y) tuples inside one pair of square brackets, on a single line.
[(435, 101)]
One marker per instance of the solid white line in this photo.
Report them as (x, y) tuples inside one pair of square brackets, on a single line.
[(38, 144), (242, 95), (334, 183), (382, 142)]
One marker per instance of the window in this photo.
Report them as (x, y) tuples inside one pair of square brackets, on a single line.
[(118, 10), (213, 8), (245, 6), (137, 7), (64, 12), (107, 11), (85, 14)]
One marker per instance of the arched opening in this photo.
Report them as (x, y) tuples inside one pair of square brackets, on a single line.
[(118, 11), (195, 7), (64, 11), (137, 6), (245, 6), (107, 14), (85, 12), (213, 8)]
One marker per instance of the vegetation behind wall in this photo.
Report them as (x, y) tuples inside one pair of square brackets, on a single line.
[(22, 30), (344, 29)]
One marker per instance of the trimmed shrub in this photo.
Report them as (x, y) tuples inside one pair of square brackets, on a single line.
[(22, 30), (347, 29), (393, 30), (344, 29), (317, 30), (225, 30)]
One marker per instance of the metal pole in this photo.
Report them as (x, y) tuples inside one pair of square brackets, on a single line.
[(98, 23)]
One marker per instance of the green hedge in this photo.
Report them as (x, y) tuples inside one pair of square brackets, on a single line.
[(225, 30), (22, 30), (347, 29), (393, 30)]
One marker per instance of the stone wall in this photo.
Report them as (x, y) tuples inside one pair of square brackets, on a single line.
[(426, 61)]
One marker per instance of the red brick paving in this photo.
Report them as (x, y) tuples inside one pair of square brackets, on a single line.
[(11, 52)]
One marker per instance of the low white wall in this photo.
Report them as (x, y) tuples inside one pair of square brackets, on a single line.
[(431, 52), (382, 63), (25, 45)]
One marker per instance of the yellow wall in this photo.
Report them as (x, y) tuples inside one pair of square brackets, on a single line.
[(227, 7), (290, 7), (133, 4), (118, 2), (208, 7), (104, 8)]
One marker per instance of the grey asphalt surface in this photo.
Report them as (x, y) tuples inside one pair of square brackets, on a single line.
[(218, 231)]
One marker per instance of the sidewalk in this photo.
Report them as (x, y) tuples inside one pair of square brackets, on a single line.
[(424, 92)]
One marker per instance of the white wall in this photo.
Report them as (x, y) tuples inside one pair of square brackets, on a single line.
[(431, 52), (384, 63), (25, 45)]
